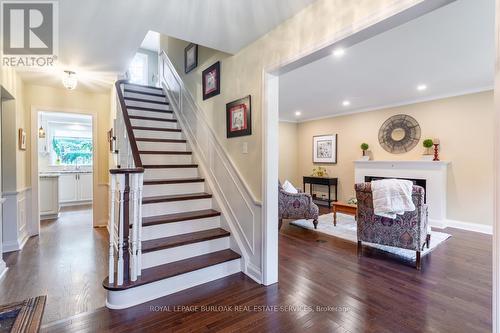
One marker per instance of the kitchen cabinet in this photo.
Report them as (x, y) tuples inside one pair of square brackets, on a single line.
[(75, 188), (49, 198)]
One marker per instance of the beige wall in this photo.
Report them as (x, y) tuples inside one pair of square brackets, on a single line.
[(464, 125), (242, 73), (289, 154)]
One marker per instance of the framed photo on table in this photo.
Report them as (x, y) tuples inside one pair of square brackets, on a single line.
[(325, 149), (239, 117), (211, 81), (190, 57)]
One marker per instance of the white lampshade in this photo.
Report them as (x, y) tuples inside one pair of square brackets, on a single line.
[(69, 80)]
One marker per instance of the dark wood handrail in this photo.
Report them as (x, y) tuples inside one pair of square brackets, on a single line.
[(126, 171), (128, 124)]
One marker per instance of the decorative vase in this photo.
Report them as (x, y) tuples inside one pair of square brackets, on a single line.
[(364, 158)]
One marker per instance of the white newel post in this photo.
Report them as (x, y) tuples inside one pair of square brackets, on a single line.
[(121, 193), (111, 275), (133, 237), (140, 176)]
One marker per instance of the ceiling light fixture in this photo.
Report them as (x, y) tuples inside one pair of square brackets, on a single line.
[(421, 87), (69, 80), (346, 103), (338, 52), (41, 130), (298, 113)]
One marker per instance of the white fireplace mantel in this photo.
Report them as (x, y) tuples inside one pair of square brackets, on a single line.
[(435, 174)]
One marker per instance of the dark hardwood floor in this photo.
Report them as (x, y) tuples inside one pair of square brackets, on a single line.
[(331, 290), (67, 262)]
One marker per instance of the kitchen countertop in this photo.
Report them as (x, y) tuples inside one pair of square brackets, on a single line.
[(59, 172)]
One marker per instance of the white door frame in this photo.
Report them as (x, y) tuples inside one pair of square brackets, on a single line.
[(270, 110), (34, 227)]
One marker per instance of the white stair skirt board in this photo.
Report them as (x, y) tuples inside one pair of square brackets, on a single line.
[(146, 97), (172, 173), (174, 207), (157, 106), (148, 134), (173, 189), (126, 298), (154, 114), (177, 253), (156, 159), (143, 89), (178, 228), (162, 146), (153, 123)]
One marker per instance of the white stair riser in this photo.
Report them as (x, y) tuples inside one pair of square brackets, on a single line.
[(151, 159), (157, 106), (178, 228), (129, 297), (148, 134), (173, 189), (162, 146), (143, 88), (162, 208), (147, 97), (166, 256), (154, 114), (153, 123), (173, 173)]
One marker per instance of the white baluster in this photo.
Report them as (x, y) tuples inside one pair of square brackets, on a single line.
[(139, 224), (111, 225), (121, 193), (133, 235)]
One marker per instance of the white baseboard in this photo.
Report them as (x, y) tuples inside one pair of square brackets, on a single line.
[(482, 228), (3, 269)]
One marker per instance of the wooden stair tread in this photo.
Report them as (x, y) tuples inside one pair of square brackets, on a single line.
[(141, 108), (169, 270), (153, 119), (183, 239), (179, 217), (173, 181), (176, 197), (159, 129), (170, 166), (133, 91), (161, 140), (135, 99), (164, 152)]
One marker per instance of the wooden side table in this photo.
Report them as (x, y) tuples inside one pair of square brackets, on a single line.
[(345, 208)]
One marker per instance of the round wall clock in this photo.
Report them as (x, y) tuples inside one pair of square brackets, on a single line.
[(399, 134)]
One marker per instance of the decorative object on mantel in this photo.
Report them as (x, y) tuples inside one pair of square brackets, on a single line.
[(211, 81), (436, 149), (427, 144), (364, 147), (325, 149), (239, 117), (319, 172), (399, 134)]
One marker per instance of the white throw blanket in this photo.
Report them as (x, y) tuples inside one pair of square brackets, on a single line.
[(392, 197)]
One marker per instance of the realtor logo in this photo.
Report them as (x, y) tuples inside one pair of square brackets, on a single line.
[(29, 33)]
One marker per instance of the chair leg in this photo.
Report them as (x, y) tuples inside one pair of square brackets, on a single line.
[(428, 240), (418, 261), (360, 249), (280, 223), (315, 222)]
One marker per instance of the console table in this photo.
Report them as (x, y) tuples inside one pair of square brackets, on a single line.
[(321, 181)]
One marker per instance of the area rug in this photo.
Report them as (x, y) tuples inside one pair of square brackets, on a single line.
[(346, 229)]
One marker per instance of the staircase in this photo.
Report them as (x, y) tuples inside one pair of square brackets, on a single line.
[(181, 240)]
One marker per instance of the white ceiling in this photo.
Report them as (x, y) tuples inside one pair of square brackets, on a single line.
[(98, 39), (451, 50)]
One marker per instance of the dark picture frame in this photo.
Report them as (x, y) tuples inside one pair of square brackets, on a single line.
[(190, 57), (239, 117), (211, 81), (325, 149)]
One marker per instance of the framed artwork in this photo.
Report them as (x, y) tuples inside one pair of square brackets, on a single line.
[(211, 81), (325, 149), (22, 139), (239, 117), (190, 57)]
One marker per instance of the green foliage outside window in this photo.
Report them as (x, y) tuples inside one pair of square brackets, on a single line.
[(73, 150)]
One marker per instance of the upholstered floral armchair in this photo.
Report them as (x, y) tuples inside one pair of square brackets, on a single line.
[(408, 231), (297, 206)]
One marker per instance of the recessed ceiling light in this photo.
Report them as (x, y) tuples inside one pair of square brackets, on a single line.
[(422, 87), (346, 103), (338, 52), (298, 113)]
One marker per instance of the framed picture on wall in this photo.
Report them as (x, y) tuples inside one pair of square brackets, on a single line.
[(211, 81), (239, 117), (190, 57), (22, 139), (325, 149)]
